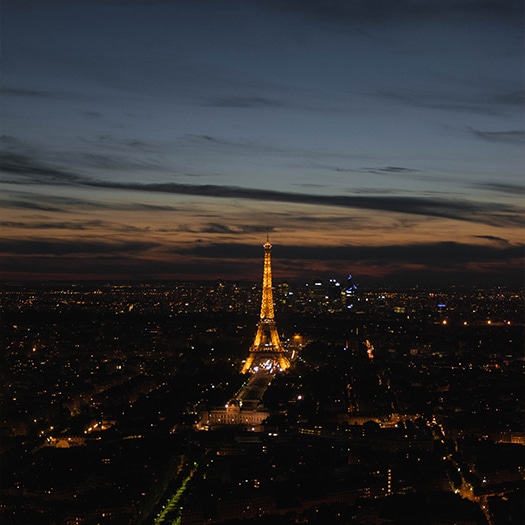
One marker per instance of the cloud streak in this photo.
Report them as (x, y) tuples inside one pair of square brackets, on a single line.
[(485, 213), (245, 102), (90, 225), (451, 262), (442, 102), (516, 137), (430, 254), (17, 92), (34, 171), (488, 213), (59, 247), (500, 187)]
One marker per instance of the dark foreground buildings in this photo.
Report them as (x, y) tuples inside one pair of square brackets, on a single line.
[(399, 407)]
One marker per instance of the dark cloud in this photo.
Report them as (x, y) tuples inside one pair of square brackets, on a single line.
[(394, 170), (442, 102), (150, 207), (38, 172), (511, 137), (29, 205), (401, 171), (23, 92), (493, 238), (48, 225), (108, 141), (116, 267), (500, 187), (243, 147), (218, 228), (429, 254), (35, 170), (329, 220), (244, 102), (51, 203), (62, 247), (309, 185), (220, 250), (60, 204), (486, 213), (116, 162), (70, 225), (29, 168), (235, 230), (450, 263)]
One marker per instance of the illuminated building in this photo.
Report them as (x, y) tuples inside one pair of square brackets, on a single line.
[(266, 348), (231, 414), (348, 294)]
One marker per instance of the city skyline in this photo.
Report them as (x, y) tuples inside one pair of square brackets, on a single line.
[(126, 404), (159, 140)]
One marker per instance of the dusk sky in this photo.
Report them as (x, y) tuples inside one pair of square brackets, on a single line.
[(165, 140)]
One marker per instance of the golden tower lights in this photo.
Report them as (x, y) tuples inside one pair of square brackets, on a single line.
[(266, 344)]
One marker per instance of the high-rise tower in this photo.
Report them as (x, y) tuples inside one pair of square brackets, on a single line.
[(267, 345)]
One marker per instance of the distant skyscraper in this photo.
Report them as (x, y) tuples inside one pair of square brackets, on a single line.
[(349, 292), (266, 348)]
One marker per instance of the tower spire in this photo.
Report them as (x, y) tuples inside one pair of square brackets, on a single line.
[(266, 345)]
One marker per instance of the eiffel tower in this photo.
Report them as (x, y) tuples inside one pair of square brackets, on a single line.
[(267, 345)]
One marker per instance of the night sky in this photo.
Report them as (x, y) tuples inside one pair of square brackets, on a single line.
[(166, 139)]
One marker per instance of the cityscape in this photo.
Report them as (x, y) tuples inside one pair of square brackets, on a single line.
[(169, 403), (262, 262)]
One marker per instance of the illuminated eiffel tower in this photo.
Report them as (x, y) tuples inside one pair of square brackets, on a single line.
[(267, 345)]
